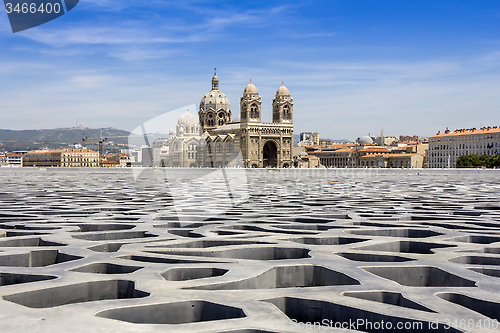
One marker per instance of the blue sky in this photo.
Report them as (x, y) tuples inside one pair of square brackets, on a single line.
[(353, 67)]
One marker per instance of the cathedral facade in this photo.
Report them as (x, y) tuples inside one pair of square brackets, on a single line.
[(262, 144), (216, 139)]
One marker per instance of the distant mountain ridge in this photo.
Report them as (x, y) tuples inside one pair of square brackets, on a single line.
[(11, 140)]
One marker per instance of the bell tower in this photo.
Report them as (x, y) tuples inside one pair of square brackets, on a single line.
[(283, 106), (250, 105)]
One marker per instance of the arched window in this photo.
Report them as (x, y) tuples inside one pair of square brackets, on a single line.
[(254, 113), (210, 120), (286, 113)]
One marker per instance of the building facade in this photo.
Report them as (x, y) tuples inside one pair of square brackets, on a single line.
[(445, 148), (409, 160), (308, 139), (14, 160), (78, 158)]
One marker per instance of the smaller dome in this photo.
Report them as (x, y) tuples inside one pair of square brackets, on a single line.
[(236, 119), (250, 89), (365, 140), (188, 120), (283, 90), (302, 154), (171, 132), (215, 82)]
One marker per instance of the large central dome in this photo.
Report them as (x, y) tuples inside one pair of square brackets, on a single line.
[(215, 99)]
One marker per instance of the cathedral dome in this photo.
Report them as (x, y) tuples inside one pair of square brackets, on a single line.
[(215, 99), (250, 89), (188, 120), (283, 91), (366, 140)]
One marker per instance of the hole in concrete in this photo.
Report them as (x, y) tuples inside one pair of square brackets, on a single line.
[(174, 313), (184, 274), (106, 268), (163, 260), (77, 293), (492, 250), (476, 239), (408, 233), (226, 233), (316, 313), (39, 258), (113, 235), (28, 242), (288, 277), (486, 308), (327, 240), (405, 247), (209, 243), (108, 247), (388, 297), (166, 218), (7, 279), (23, 233), (488, 207), (307, 219), (35, 226), (487, 271), (256, 253), (314, 227), (476, 260), (168, 225), (373, 257), (104, 227), (373, 224), (259, 229), (421, 276), (185, 233)]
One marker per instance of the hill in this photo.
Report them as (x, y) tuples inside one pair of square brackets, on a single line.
[(11, 140)]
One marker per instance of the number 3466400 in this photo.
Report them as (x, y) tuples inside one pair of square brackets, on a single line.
[(33, 8)]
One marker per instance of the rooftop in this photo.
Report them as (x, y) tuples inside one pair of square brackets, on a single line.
[(468, 131)]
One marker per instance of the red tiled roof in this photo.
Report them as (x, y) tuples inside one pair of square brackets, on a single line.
[(468, 132)]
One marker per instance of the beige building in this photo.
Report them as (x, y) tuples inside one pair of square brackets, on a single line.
[(305, 161), (79, 158), (445, 148), (340, 157), (411, 160), (3, 160)]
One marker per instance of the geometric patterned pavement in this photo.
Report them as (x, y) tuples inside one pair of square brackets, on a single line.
[(249, 250)]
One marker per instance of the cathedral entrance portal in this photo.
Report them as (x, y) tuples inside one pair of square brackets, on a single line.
[(270, 155)]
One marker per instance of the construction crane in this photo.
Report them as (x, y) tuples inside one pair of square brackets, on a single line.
[(100, 145), (84, 140)]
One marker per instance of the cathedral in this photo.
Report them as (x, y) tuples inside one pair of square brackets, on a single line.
[(216, 139)]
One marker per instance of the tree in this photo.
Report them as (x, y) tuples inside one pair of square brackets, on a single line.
[(474, 161)]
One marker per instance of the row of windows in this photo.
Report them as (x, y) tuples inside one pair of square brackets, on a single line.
[(467, 146), (455, 153)]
